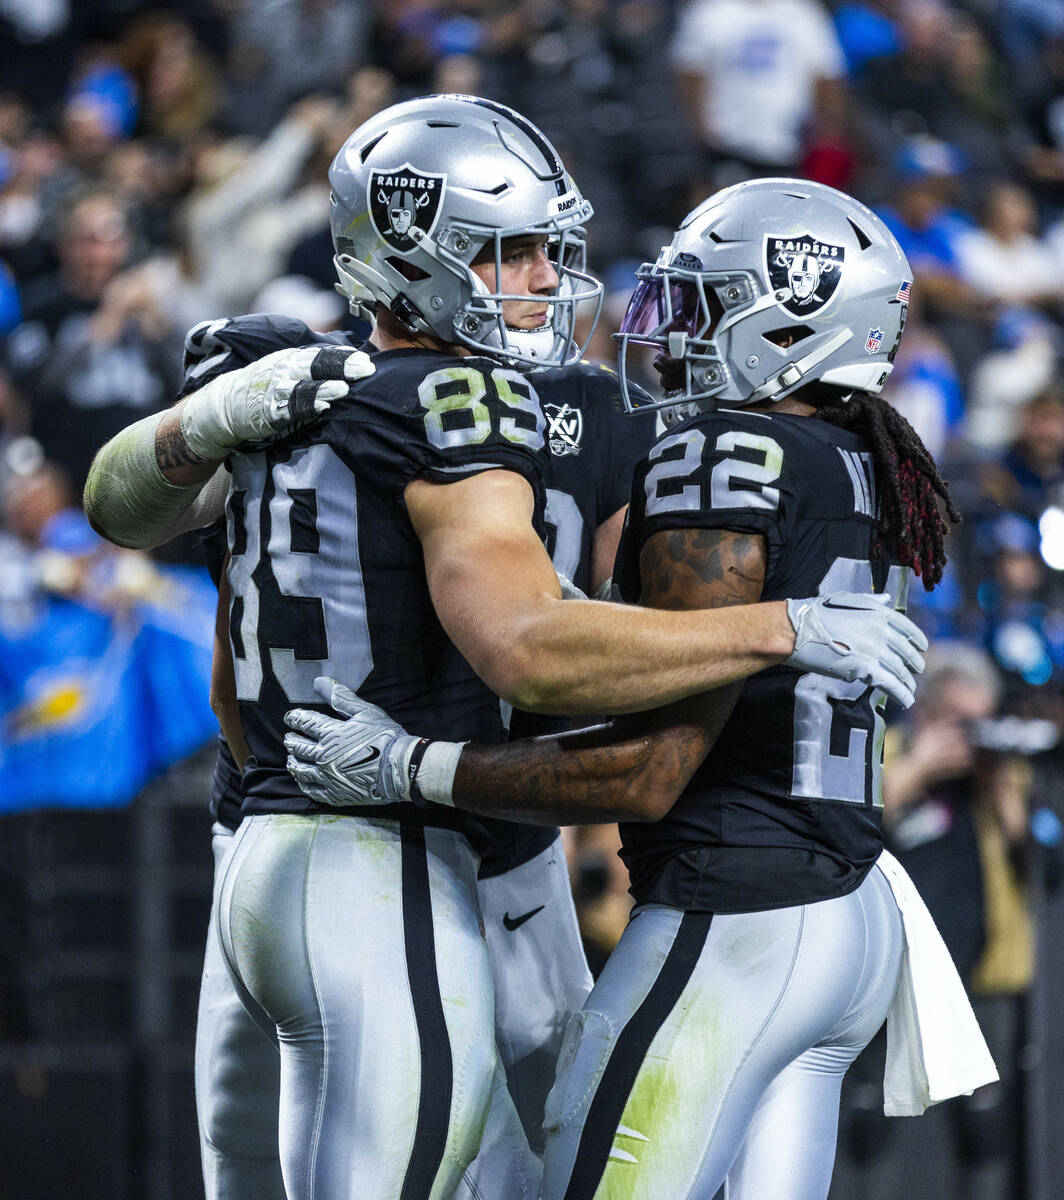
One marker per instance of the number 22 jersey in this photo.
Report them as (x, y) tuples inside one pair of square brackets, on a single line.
[(786, 809)]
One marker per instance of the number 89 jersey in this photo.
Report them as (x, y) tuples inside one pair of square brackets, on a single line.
[(787, 808), (327, 574)]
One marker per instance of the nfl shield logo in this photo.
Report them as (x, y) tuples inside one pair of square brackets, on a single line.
[(807, 267), (402, 199), (875, 340)]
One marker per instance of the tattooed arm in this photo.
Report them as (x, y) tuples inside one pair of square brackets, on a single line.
[(173, 456), (634, 767)]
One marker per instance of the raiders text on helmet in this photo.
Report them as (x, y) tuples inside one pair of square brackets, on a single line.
[(422, 188), (767, 286)]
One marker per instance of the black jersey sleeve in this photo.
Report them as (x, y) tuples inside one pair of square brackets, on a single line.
[(472, 415), (213, 348), (213, 543)]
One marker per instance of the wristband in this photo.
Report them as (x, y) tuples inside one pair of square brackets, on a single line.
[(438, 762), (413, 765)]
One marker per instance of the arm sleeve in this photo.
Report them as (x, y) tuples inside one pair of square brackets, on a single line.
[(131, 502), (127, 497)]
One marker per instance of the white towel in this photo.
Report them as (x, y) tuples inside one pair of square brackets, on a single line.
[(934, 1047)]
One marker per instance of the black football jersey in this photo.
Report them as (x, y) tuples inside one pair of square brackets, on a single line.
[(326, 572), (594, 448), (213, 348), (787, 807)]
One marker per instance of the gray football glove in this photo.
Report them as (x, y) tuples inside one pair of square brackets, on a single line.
[(856, 636), (362, 758), (268, 397)]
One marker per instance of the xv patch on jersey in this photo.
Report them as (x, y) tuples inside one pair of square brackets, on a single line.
[(565, 427)]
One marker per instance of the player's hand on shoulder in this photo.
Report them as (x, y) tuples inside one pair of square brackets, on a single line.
[(361, 757), (569, 589), (857, 636), (269, 398)]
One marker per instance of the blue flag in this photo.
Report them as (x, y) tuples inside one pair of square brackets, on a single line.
[(92, 704)]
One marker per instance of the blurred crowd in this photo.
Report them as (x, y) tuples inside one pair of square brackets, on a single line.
[(162, 164)]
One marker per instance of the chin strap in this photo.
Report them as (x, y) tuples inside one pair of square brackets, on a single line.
[(675, 414), (532, 343)]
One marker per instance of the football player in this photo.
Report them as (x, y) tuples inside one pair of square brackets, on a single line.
[(765, 946), (537, 964), (394, 543)]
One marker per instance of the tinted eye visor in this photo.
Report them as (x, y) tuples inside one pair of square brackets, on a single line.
[(663, 303)]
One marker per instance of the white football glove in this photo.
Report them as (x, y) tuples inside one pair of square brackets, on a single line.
[(364, 758), (856, 636), (268, 397), (569, 589), (607, 590)]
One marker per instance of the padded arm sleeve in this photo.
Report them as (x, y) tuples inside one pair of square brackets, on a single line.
[(131, 503)]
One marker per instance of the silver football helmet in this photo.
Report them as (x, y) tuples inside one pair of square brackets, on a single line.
[(767, 286), (422, 188)]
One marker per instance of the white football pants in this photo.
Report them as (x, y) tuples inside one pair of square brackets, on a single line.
[(715, 1047)]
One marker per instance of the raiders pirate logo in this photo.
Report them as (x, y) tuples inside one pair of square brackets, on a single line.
[(401, 199), (565, 428), (811, 269)]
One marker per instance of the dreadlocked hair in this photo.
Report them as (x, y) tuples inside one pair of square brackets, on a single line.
[(912, 529)]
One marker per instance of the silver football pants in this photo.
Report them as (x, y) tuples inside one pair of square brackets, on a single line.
[(714, 1048), (238, 1076), (357, 942), (540, 972), (540, 977)]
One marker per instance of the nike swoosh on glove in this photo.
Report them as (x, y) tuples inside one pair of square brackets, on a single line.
[(269, 397), (856, 636), (360, 758)]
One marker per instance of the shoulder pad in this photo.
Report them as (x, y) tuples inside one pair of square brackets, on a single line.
[(249, 337)]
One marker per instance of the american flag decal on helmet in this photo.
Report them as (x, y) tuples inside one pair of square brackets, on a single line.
[(904, 290)]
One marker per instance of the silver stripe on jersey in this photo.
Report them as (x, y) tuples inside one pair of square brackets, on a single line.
[(861, 469)]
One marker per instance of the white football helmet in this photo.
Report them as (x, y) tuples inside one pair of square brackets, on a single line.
[(767, 286), (420, 189)]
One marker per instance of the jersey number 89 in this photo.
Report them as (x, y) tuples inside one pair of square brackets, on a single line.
[(295, 574), (456, 415)]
